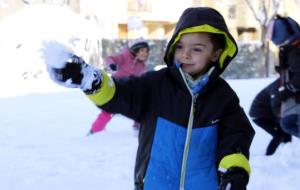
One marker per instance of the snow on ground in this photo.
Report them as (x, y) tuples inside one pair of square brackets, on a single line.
[(277, 172), (43, 128), (44, 145)]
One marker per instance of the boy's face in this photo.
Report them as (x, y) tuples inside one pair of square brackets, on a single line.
[(142, 54), (195, 52)]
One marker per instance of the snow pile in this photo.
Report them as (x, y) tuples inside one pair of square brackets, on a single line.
[(22, 34), (44, 21)]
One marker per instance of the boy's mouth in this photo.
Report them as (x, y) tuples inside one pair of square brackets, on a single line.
[(179, 63), (187, 63)]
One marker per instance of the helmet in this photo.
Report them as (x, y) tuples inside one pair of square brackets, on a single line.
[(138, 44)]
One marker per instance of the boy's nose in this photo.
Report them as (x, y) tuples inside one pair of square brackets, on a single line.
[(185, 54)]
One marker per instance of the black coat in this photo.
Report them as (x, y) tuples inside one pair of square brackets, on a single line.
[(163, 103), (262, 106), (162, 94)]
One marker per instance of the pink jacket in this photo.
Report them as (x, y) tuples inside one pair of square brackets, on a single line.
[(126, 64)]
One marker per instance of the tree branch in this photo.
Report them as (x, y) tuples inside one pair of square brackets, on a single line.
[(276, 5), (249, 3)]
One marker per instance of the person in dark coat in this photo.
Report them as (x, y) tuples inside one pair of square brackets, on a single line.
[(189, 138), (262, 114), (266, 109)]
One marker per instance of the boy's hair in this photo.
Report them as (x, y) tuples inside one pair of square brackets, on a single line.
[(218, 41)]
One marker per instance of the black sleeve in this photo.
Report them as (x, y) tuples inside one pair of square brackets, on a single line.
[(133, 96), (236, 132)]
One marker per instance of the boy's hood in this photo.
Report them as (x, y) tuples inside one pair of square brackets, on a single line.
[(203, 19)]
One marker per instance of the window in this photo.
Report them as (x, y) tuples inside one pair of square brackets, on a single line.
[(123, 31)]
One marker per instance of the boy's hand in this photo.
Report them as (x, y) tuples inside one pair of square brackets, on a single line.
[(77, 74), (234, 178), (69, 70)]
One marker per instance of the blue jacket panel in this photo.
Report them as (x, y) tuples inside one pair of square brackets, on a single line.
[(164, 167)]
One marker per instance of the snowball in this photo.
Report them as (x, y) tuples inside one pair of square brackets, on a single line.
[(55, 54)]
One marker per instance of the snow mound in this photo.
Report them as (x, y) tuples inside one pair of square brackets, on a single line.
[(21, 40)]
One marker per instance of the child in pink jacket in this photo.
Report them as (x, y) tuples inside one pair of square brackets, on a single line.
[(130, 62)]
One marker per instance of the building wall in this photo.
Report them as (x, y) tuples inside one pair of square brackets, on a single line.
[(156, 19)]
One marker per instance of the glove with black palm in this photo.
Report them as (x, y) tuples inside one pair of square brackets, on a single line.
[(235, 178), (77, 74)]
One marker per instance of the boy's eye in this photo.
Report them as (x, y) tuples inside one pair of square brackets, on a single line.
[(197, 49), (178, 46)]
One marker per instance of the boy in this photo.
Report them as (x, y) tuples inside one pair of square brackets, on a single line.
[(131, 62), (193, 134)]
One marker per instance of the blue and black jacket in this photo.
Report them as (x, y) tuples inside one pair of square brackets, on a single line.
[(183, 139)]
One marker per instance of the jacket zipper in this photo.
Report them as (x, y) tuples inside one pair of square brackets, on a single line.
[(188, 135)]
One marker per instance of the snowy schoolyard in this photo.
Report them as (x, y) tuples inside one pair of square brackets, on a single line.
[(43, 131), (44, 145)]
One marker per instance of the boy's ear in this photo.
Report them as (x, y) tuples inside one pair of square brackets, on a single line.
[(216, 55)]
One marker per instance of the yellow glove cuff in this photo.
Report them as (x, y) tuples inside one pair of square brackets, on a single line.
[(235, 160), (106, 91)]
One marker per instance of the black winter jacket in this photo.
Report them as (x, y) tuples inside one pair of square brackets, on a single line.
[(180, 132)]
